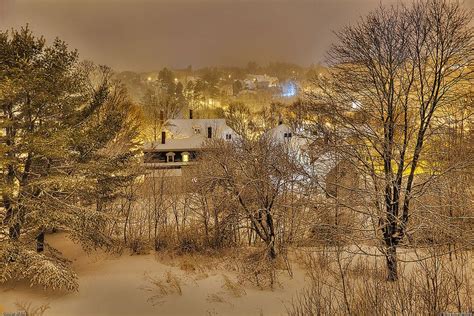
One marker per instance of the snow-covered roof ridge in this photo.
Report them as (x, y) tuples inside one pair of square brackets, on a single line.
[(189, 143), (283, 132), (183, 128), (278, 132), (190, 134)]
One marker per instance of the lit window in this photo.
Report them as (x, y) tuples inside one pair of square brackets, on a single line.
[(185, 156)]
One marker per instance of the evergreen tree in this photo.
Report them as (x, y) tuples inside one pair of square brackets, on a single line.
[(67, 148)]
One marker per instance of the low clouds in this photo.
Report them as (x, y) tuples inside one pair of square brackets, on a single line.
[(146, 35)]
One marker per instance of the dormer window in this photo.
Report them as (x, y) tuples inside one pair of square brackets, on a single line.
[(170, 157)]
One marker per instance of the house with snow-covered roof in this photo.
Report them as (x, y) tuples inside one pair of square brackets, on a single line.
[(328, 168), (253, 82), (296, 144), (182, 140)]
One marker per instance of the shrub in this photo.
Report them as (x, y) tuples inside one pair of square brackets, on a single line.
[(139, 246)]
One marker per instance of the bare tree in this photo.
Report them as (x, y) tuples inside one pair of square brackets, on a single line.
[(391, 75), (255, 173), (161, 101)]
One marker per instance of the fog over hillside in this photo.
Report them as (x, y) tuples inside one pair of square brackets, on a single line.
[(148, 35)]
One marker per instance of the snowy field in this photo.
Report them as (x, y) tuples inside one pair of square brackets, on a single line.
[(123, 285)]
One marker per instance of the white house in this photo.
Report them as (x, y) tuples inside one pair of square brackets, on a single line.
[(321, 168), (182, 140), (295, 143)]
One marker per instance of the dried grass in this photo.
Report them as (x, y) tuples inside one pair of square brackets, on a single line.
[(233, 288), (215, 298), (162, 287), (31, 310), (429, 287)]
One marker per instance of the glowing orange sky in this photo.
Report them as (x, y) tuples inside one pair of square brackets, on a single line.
[(147, 35)]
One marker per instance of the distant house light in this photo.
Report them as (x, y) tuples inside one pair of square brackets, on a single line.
[(289, 89)]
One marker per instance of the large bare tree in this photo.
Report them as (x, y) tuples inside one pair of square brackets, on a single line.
[(391, 76)]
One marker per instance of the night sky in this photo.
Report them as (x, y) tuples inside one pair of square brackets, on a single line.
[(147, 35)]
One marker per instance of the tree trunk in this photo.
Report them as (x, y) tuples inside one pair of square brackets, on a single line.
[(271, 248), (15, 228), (391, 256), (40, 242), (14, 231), (271, 237)]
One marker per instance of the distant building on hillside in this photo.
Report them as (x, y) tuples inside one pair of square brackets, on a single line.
[(289, 89), (255, 82)]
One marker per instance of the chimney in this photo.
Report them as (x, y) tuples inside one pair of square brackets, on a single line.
[(162, 116), (190, 114), (209, 132), (163, 137)]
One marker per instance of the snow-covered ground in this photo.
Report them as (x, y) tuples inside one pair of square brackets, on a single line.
[(120, 285)]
